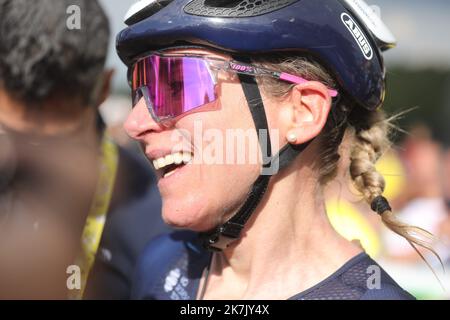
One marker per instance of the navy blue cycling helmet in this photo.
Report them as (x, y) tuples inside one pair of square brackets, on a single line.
[(345, 36)]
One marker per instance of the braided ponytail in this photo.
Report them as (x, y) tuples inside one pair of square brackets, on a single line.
[(370, 143)]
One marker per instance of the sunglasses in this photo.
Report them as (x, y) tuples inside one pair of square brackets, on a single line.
[(174, 85)]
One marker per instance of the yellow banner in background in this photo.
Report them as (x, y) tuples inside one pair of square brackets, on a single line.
[(95, 222)]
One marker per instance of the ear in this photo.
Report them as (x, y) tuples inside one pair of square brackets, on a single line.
[(105, 88), (309, 106)]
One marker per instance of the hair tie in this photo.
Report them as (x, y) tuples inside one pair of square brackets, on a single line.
[(380, 205)]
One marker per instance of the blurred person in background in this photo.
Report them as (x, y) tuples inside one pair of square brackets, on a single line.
[(422, 200), (444, 228), (62, 179), (114, 112)]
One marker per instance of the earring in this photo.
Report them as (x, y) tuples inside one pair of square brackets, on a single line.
[(292, 137)]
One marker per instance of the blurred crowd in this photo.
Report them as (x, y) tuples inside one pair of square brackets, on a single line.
[(417, 174)]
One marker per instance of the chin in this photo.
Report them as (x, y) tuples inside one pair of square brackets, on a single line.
[(188, 217)]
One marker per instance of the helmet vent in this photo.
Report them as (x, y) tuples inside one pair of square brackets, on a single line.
[(222, 3), (234, 8)]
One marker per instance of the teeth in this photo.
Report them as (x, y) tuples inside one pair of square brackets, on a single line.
[(187, 157), (175, 158), (178, 158), (168, 174), (169, 160), (161, 163)]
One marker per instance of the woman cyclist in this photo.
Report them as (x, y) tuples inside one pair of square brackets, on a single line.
[(307, 73)]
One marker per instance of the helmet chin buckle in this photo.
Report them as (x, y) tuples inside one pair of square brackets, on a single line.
[(223, 236)]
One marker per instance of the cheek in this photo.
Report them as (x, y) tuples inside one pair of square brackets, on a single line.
[(212, 190)]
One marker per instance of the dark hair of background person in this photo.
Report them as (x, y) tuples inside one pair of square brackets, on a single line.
[(43, 58)]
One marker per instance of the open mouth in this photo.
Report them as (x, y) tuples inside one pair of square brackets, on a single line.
[(166, 166)]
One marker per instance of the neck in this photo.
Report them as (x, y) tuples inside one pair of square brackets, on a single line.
[(287, 244)]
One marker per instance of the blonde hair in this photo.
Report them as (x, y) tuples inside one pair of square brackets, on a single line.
[(369, 131)]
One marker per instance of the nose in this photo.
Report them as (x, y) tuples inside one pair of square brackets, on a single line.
[(140, 122)]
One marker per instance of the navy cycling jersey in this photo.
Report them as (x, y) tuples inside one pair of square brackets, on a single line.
[(171, 267)]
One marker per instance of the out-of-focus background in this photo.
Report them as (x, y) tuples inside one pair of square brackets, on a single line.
[(418, 167)]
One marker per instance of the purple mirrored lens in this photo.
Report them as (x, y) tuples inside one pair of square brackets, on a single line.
[(176, 85)]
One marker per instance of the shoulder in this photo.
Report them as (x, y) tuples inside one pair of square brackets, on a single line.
[(162, 254), (387, 292), (361, 278), (380, 285), (166, 247)]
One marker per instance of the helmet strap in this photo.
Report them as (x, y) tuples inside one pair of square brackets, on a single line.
[(222, 236)]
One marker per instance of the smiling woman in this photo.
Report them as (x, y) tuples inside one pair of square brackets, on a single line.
[(306, 76)]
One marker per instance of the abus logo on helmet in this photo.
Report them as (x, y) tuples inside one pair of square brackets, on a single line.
[(358, 35)]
